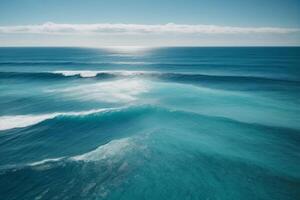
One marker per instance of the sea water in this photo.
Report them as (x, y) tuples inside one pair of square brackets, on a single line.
[(150, 123)]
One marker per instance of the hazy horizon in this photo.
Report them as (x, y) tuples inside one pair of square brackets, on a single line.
[(144, 23)]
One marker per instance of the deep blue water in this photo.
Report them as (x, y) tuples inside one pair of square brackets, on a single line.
[(140, 123)]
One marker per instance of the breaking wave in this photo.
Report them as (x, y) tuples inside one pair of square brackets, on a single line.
[(20, 121)]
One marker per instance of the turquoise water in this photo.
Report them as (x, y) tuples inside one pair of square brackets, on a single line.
[(141, 123)]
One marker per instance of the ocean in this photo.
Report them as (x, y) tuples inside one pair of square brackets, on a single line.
[(184, 123)]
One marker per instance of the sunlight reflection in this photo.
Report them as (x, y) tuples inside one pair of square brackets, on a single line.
[(132, 50)]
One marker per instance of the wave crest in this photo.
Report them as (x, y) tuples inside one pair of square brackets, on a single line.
[(169, 76), (20, 121), (109, 150)]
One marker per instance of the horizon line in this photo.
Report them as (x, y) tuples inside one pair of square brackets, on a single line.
[(140, 46)]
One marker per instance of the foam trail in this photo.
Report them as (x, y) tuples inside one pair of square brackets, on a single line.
[(41, 162), (111, 149), (19, 121)]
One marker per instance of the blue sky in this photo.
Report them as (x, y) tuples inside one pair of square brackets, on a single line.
[(254, 14)]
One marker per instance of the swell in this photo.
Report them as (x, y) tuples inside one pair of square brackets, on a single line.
[(101, 128), (218, 78), (67, 63), (23, 121), (47, 75), (79, 63), (165, 76), (140, 63), (134, 111), (106, 151), (41, 63)]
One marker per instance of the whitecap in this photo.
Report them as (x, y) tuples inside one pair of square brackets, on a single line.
[(90, 73), (111, 152), (84, 74), (41, 162), (107, 151), (20, 121)]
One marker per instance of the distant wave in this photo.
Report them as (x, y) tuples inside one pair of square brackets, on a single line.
[(56, 75), (33, 63), (87, 74), (236, 80), (95, 63), (72, 74), (169, 76), (66, 63), (81, 73), (29, 75), (20, 121)]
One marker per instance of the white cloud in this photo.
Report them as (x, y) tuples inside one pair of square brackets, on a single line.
[(170, 28)]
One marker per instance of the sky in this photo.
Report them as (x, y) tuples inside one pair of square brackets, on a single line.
[(98, 23)]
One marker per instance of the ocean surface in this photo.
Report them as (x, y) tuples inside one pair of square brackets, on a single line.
[(150, 123)]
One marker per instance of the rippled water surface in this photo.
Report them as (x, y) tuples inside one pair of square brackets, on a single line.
[(141, 123)]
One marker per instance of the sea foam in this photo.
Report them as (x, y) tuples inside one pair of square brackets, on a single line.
[(20, 121), (90, 73), (81, 73), (41, 162), (109, 150)]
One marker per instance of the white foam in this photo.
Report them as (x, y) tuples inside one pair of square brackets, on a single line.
[(107, 151), (84, 74), (46, 161), (112, 152), (87, 73), (19, 121)]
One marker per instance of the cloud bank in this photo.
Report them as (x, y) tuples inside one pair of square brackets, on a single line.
[(170, 28)]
